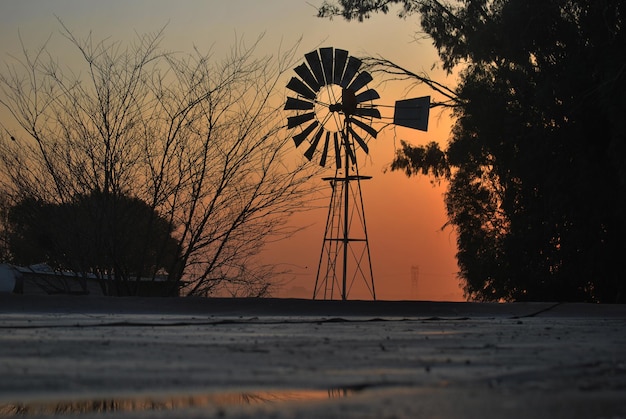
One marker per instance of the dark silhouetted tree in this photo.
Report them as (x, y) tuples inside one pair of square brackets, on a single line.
[(537, 156), (200, 140), (116, 238)]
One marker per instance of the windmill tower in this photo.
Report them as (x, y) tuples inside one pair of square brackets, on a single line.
[(334, 111)]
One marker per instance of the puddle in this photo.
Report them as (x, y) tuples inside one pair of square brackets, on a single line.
[(168, 402)]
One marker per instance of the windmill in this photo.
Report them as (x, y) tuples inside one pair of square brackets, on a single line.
[(333, 112)]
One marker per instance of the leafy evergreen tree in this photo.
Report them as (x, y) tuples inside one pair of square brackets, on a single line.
[(118, 238), (537, 162)]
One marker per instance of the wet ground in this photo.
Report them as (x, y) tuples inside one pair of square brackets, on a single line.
[(121, 358)]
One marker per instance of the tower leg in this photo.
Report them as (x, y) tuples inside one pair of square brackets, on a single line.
[(366, 249), (326, 280)]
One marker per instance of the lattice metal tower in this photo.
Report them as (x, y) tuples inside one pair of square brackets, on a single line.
[(335, 110)]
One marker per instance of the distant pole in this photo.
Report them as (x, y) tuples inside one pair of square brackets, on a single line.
[(415, 272)]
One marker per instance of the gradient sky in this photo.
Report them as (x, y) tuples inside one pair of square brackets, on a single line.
[(404, 216)]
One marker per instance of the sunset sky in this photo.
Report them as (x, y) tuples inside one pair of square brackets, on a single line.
[(404, 216)]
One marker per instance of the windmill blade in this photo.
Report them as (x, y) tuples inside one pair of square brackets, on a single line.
[(325, 150), (298, 138), (372, 112), (350, 153), (359, 140), (361, 80), (370, 94), (328, 56), (294, 121), (305, 74), (316, 66), (297, 86), (365, 127), (298, 104), (337, 150), (316, 140), (341, 56), (351, 68)]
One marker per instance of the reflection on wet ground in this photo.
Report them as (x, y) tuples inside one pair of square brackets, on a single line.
[(73, 357), (168, 402)]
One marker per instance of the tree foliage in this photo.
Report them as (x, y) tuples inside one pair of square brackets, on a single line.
[(537, 154), (199, 140), (363, 9), (115, 238), (427, 160)]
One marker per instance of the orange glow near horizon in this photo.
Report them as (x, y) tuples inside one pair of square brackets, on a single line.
[(404, 216), (405, 219)]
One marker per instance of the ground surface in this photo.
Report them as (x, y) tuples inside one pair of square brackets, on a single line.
[(197, 358)]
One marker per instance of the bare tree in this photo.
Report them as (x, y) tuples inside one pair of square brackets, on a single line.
[(199, 139)]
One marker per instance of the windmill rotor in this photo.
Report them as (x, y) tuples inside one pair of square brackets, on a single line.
[(332, 102)]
